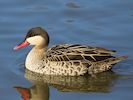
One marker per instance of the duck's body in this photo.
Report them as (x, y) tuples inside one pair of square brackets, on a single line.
[(66, 59)]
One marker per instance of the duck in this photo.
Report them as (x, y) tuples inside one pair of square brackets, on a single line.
[(65, 59)]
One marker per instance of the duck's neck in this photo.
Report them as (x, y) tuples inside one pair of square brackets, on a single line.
[(35, 56)]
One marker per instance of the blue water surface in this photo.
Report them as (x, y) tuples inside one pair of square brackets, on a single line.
[(105, 23)]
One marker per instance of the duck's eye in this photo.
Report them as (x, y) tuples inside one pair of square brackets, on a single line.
[(28, 35), (34, 35)]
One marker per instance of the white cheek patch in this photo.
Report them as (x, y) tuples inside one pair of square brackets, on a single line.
[(35, 40)]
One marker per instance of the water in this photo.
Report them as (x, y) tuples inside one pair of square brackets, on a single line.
[(93, 22)]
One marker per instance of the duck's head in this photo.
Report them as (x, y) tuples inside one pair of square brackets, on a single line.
[(35, 36)]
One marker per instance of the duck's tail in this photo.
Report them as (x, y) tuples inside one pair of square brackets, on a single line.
[(105, 65), (114, 60)]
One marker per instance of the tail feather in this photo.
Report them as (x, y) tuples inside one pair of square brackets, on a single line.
[(104, 65), (115, 60)]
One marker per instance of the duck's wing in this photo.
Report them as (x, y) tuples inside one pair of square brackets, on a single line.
[(69, 52)]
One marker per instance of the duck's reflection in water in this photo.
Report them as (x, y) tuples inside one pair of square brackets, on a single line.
[(36, 92), (102, 82)]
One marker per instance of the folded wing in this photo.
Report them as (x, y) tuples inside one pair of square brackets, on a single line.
[(69, 52)]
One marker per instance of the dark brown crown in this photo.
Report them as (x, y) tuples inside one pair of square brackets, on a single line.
[(38, 31)]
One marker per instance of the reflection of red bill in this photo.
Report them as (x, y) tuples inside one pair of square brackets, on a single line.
[(24, 92), (21, 45)]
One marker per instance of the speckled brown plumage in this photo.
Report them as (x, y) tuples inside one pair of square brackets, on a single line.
[(75, 59)]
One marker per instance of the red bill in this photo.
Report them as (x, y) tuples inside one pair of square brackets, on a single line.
[(21, 45)]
